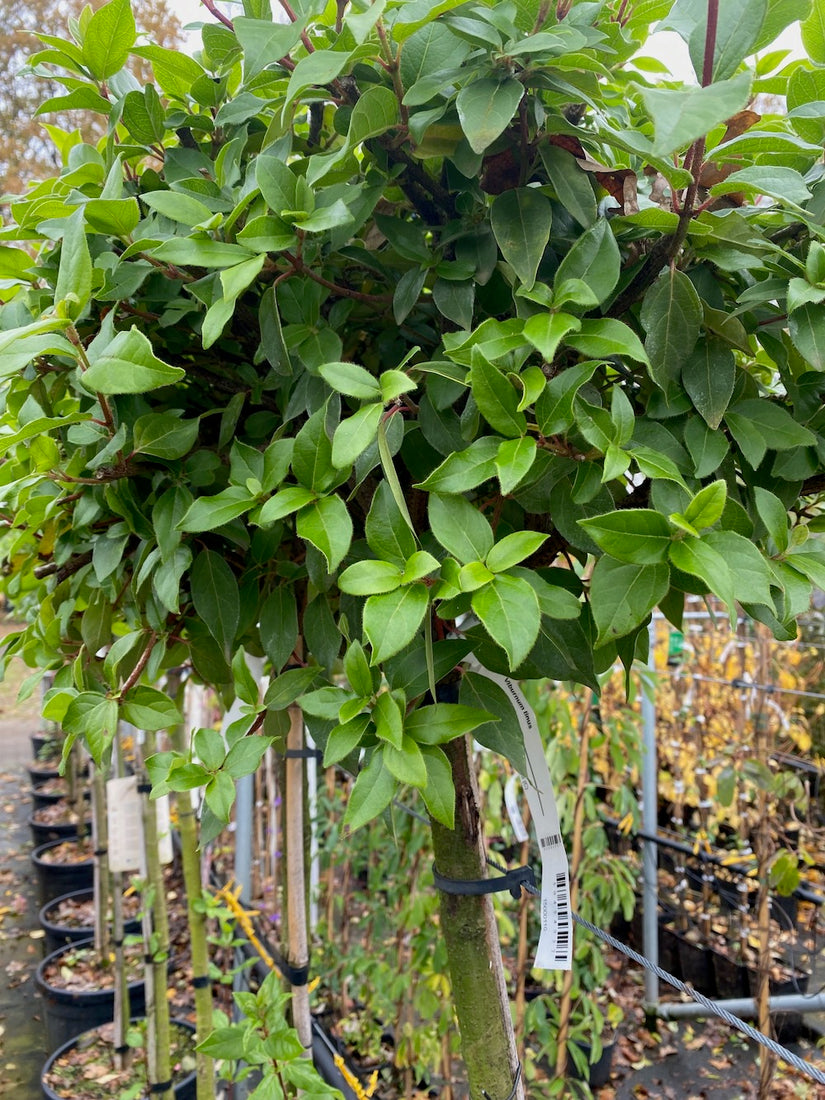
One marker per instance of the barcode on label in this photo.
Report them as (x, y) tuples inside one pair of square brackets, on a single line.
[(562, 918), (551, 841)]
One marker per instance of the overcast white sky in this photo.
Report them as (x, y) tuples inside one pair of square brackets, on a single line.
[(666, 45)]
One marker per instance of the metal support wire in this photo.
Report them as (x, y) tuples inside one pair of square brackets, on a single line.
[(712, 1007)]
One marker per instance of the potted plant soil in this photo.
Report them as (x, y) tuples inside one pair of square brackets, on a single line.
[(90, 1066), (57, 821), (77, 985), (62, 866), (70, 918)]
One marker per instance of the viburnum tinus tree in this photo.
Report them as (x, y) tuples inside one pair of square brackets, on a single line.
[(403, 330)]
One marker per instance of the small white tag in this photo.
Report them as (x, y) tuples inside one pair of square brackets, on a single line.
[(123, 812), (555, 948), (165, 853), (513, 811)]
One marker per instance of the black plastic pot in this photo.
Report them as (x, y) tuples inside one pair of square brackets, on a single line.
[(696, 965), (54, 879), (41, 740), (731, 976), (68, 1012), (62, 935), (42, 834), (183, 1089), (40, 773), (599, 1072), (41, 797)]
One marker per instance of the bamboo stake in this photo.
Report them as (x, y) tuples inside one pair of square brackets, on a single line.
[(575, 862), (122, 1055), (298, 946)]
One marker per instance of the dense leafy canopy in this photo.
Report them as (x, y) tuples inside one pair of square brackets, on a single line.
[(404, 315)]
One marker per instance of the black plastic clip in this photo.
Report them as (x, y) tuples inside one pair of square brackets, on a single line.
[(510, 880), (304, 754)]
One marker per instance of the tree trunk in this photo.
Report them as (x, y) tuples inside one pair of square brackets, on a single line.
[(473, 950)]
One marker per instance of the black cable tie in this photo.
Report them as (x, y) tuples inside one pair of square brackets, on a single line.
[(123, 1049), (304, 754), (144, 788), (295, 975), (149, 960), (117, 943), (200, 983), (162, 1086), (738, 682), (100, 851), (510, 880), (514, 1089)]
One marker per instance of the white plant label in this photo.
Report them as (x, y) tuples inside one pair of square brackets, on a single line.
[(513, 811), (555, 948), (125, 822), (123, 812)]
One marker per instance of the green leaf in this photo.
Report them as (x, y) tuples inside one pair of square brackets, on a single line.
[(521, 219), (174, 71), (352, 380), (246, 755), (375, 112), (806, 326), (109, 38), (594, 258), (441, 722), (209, 513), (93, 717), (264, 43), (355, 434), (545, 331), (74, 276), (389, 720), (509, 610), (454, 300), (439, 792), (387, 532), (460, 528), (279, 625), (150, 709), (372, 792), (344, 739), (319, 67), (312, 456), (357, 670), (284, 503), (289, 686), (699, 559), (707, 448), (774, 515), (813, 34), (785, 185), (129, 365), (751, 576), (407, 292), (407, 763), (671, 316), (180, 208), (368, 578), (200, 252), (682, 115), (737, 31), (570, 182), (554, 408), (327, 525), (514, 461), (709, 375), (219, 796), (601, 337), (707, 506), (496, 398), (503, 733), (216, 597), (485, 108), (391, 621), (758, 425), (514, 548), (465, 469), (164, 435), (623, 595), (639, 536)]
